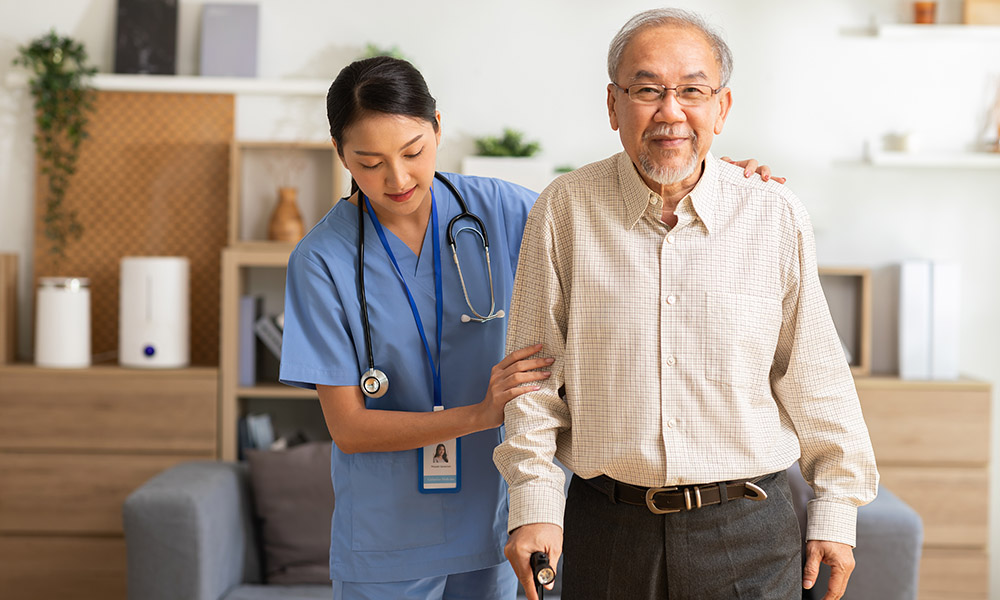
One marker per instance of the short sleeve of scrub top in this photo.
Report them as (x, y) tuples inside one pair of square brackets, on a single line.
[(384, 529)]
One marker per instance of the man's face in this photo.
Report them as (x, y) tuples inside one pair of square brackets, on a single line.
[(666, 140)]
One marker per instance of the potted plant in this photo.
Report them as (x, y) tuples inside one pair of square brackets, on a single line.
[(63, 99), (510, 157)]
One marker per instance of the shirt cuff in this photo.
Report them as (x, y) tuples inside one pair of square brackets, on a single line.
[(535, 504), (832, 521)]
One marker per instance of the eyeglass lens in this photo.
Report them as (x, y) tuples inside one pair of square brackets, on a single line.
[(690, 94)]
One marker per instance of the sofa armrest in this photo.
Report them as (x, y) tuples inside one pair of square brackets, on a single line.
[(189, 533)]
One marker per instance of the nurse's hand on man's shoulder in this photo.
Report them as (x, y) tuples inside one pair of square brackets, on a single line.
[(506, 379), (750, 167), (536, 537)]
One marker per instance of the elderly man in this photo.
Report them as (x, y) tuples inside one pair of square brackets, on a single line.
[(695, 357)]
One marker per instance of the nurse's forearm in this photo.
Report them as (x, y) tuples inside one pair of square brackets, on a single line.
[(355, 428)]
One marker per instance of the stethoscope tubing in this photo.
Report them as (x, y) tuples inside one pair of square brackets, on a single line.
[(374, 382)]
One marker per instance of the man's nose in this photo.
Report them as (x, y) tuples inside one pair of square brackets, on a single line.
[(669, 110)]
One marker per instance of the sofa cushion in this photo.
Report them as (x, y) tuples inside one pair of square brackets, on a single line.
[(293, 502)]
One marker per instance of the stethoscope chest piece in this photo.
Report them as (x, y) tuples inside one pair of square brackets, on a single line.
[(374, 383)]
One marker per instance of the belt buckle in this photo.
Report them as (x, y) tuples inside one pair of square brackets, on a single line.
[(651, 505), (758, 494)]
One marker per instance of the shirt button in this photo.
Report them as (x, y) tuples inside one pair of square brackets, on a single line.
[(652, 200), (671, 423), (671, 299), (670, 239), (670, 361)]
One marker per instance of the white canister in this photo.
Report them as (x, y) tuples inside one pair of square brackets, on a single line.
[(62, 323)]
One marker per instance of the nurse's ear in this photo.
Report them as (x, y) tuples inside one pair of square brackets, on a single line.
[(340, 153), (437, 127)]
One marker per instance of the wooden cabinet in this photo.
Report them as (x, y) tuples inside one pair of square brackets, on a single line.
[(932, 441), (73, 445)]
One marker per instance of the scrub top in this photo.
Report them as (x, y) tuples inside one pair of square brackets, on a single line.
[(384, 529)]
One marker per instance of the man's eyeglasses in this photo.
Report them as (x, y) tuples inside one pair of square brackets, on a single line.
[(688, 94)]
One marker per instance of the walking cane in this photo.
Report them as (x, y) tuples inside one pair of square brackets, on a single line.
[(544, 574)]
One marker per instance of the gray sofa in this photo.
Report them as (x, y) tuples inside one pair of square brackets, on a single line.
[(190, 534)]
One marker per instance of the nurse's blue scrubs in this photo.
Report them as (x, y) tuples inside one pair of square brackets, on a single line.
[(384, 529)]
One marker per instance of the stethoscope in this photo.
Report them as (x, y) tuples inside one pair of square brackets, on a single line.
[(374, 382)]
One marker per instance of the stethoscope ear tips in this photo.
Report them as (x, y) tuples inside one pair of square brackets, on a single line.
[(374, 383)]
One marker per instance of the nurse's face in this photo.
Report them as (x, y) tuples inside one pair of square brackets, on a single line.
[(392, 159)]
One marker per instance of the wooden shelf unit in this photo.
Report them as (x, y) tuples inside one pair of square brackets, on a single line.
[(236, 262), (311, 205), (73, 444), (932, 445), (848, 293)]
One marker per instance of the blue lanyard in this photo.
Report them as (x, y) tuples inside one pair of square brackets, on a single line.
[(438, 294)]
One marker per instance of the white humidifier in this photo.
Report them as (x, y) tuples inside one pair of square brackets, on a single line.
[(154, 313)]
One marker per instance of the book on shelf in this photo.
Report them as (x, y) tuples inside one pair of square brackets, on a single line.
[(251, 309), (269, 332), (255, 432)]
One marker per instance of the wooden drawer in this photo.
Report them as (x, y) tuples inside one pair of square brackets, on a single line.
[(62, 567), (932, 423), (954, 575), (108, 408), (952, 501), (60, 493)]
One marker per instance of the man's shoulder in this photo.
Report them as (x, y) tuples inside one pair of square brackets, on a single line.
[(777, 196), (580, 184)]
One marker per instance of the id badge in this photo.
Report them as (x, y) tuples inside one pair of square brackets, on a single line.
[(439, 467)]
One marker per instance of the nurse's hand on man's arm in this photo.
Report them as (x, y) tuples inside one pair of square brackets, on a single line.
[(536, 537), (506, 378), (750, 167)]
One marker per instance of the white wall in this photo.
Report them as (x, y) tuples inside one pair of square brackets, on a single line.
[(807, 93)]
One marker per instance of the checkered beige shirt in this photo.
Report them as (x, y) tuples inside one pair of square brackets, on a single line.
[(696, 354)]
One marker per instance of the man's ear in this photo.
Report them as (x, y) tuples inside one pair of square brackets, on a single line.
[(611, 107), (725, 104)]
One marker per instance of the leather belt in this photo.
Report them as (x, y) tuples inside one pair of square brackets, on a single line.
[(665, 500)]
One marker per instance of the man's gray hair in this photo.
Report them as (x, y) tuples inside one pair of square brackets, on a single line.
[(658, 17)]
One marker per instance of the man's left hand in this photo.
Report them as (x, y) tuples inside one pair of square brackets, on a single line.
[(839, 556)]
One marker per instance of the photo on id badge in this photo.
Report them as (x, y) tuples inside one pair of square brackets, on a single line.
[(440, 467)]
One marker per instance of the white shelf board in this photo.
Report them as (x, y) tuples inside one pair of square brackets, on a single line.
[(183, 84), (955, 160), (938, 32)]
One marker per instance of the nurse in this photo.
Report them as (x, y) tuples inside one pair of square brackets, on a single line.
[(407, 525), (395, 534)]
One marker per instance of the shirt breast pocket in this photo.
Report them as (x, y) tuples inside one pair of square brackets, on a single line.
[(388, 512), (742, 337)]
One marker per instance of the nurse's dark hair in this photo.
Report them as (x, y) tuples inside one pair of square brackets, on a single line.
[(381, 84)]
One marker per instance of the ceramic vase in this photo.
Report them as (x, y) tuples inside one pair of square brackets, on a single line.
[(286, 220)]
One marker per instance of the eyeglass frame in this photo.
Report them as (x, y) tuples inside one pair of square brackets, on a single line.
[(663, 93)]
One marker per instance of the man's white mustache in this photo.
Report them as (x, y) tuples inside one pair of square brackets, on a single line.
[(667, 131)]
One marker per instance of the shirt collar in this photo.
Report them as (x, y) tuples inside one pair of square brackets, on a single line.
[(637, 194), (704, 196)]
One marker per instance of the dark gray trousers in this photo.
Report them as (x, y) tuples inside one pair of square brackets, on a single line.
[(738, 550)]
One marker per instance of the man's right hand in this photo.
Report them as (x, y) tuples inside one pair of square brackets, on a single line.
[(537, 537)]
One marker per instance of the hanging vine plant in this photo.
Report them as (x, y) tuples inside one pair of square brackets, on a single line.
[(63, 98)]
